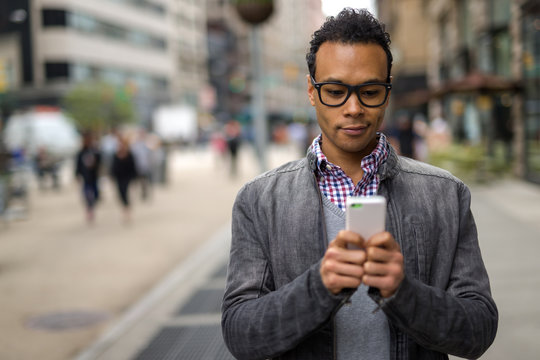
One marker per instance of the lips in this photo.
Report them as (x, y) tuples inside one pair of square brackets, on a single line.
[(355, 130)]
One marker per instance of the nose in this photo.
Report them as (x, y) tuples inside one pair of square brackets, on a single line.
[(353, 106)]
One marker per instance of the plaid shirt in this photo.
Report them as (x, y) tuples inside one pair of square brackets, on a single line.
[(336, 185)]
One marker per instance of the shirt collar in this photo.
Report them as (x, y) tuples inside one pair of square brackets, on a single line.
[(380, 154)]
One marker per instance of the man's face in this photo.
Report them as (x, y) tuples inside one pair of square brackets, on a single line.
[(350, 129)]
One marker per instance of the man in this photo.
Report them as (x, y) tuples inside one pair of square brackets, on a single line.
[(87, 168), (295, 289)]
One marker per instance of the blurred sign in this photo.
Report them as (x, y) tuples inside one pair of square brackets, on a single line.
[(484, 102), (176, 123)]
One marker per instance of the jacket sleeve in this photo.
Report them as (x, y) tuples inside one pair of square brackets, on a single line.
[(460, 320), (258, 320)]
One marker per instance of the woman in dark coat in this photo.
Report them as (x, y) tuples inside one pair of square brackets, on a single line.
[(123, 171)]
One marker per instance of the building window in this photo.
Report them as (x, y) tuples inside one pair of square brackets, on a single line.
[(144, 4), (502, 53), (53, 17), (531, 93), (89, 24), (56, 70), (499, 12), (445, 51), (498, 38), (465, 28)]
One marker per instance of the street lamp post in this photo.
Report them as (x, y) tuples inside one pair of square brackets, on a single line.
[(255, 12)]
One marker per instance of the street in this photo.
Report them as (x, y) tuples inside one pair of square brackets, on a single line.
[(65, 284)]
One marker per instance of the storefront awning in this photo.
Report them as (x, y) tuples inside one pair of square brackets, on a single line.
[(477, 82)]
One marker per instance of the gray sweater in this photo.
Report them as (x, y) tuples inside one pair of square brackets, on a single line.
[(361, 332)]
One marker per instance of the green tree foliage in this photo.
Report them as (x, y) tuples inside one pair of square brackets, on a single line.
[(99, 106)]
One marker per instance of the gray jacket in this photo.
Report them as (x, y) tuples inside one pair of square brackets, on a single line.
[(276, 306)]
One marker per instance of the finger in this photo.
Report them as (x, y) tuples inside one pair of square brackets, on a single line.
[(375, 268), (346, 237), (335, 282), (343, 268), (379, 254), (342, 255), (388, 283), (383, 240), (385, 276)]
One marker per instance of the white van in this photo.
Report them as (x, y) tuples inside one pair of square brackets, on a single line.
[(42, 129)]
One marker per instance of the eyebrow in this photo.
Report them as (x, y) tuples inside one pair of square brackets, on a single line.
[(365, 82)]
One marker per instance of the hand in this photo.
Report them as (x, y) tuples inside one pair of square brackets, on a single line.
[(341, 267), (383, 268)]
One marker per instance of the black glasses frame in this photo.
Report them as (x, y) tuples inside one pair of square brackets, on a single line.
[(350, 90)]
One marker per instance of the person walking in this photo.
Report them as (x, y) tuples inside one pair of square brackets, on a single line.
[(87, 168), (233, 132), (297, 290), (123, 171)]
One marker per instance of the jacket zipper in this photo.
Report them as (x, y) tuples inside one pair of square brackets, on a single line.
[(325, 244)]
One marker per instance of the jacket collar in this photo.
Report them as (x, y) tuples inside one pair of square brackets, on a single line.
[(391, 167)]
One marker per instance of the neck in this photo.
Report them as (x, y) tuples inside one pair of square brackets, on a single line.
[(349, 162)]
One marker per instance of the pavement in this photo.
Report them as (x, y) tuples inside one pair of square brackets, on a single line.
[(151, 289)]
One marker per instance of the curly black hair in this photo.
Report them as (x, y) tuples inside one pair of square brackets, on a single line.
[(350, 26)]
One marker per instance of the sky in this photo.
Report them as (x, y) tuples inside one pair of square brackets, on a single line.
[(333, 7)]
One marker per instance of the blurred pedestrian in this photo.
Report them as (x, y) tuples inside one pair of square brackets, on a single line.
[(439, 136), (420, 129), (298, 135), (405, 135), (143, 162), (233, 132), (87, 166), (107, 145), (219, 147), (157, 159), (123, 171), (46, 165), (301, 286)]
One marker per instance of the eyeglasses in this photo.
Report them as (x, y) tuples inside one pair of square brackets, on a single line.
[(334, 94)]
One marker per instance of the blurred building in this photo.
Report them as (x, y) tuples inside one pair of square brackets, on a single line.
[(483, 70), (149, 48), (408, 26), (285, 44), (285, 39)]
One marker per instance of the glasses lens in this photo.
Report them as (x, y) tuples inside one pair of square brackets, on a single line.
[(369, 95), (372, 95), (333, 94)]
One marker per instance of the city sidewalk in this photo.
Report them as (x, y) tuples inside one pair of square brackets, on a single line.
[(185, 322), (152, 290), (508, 218), (64, 283)]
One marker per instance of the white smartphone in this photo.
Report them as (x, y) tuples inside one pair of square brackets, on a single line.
[(365, 215)]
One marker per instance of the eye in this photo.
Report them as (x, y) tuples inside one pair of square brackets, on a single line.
[(371, 91), (334, 90)]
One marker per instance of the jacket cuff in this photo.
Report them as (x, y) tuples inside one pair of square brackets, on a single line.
[(382, 302)]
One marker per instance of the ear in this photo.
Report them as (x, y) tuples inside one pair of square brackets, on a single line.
[(310, 90)]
